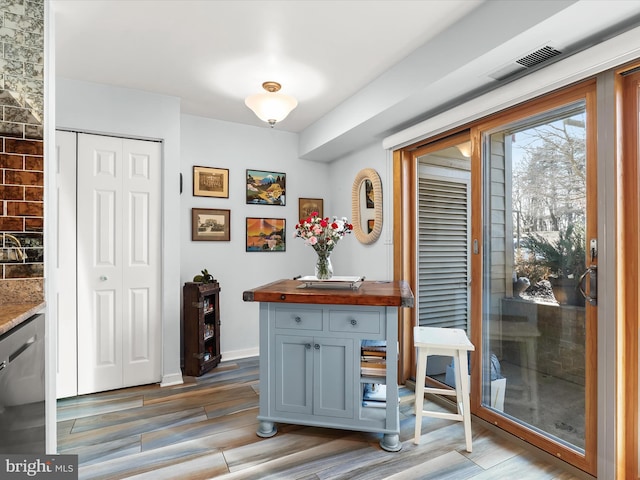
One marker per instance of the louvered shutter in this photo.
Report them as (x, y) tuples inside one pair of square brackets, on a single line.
[(443, 252)]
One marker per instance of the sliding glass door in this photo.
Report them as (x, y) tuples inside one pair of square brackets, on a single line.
[(539, 276), (500, 239)]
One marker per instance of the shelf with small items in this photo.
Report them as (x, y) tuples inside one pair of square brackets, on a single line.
[(209, 331), (201, 321), (373, 360), (208, 305), (209, 354), (373, 373)]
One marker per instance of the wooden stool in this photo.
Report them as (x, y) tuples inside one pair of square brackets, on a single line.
[(450, 342)]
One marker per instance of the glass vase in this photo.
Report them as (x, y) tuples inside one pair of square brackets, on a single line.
[(324, 269)]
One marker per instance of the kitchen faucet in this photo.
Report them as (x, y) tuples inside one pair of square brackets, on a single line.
[(19, 252)]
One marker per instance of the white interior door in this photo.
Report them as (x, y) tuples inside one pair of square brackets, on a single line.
[(141, 336), (118, 231)]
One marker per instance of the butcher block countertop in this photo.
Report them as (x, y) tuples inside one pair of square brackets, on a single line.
[(13, 314), (391, 293)]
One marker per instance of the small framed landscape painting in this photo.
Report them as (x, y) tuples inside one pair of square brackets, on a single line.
[(370, 224), (266, 234), (210, 224), (266, 188), (308, 205), (210, 182)]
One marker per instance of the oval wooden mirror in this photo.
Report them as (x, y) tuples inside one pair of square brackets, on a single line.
[(366, 206)]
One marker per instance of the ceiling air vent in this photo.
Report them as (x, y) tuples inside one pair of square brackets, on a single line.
[(539, 56)]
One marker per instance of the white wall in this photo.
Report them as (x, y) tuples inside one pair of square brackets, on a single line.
[(190, 140), (374, 261), (104, 109), (213, 143)]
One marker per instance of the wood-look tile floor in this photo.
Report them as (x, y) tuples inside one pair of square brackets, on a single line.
[(205, 428)]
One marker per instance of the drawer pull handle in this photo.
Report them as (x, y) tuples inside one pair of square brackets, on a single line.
[(316, 346), (26, 345), (307, 345), (297, 319), (354, 322)]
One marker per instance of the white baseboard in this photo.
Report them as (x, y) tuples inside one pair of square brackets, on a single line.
[(172, 379), (238, 354)]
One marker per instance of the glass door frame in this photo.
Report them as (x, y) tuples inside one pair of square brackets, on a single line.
[(627, 87), (405, 181)]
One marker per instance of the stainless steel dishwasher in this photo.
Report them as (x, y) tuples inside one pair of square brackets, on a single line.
[(22, 411)]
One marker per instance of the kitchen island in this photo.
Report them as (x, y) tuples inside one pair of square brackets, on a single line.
[(311, 344)]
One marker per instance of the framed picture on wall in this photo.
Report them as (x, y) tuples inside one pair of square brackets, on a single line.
[(266, 234), (210, 224), (308, 205), (368, 190), (210, 182), (266, 188)]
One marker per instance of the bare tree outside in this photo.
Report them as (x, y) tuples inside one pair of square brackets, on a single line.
[(549, 200), (549, 182)]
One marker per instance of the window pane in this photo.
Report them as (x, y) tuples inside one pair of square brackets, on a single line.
[(534, 255)]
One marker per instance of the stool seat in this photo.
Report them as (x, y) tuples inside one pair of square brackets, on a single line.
[(448, 342)]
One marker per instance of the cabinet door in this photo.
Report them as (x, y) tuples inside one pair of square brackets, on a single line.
[(294, 374), (333, 375)]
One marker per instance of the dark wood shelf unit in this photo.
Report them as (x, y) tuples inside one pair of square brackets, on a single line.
[(201, 306)]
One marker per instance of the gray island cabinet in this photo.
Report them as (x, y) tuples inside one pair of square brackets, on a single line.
[(311, 341)]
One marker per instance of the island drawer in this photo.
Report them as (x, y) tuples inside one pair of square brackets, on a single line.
[(298, 318), (355, 321)]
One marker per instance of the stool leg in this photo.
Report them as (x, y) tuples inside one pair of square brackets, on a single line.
[(463, 391), (421, 372)]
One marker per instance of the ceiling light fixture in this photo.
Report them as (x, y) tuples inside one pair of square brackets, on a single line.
[(271, 107), (465, 149)]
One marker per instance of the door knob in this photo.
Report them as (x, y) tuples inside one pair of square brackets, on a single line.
[(103, 278)]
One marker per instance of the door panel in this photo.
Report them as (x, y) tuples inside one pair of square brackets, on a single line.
[(537, 334), (66, 364), (333, 377), (99, 267), (141, 257), (118, 262), (628, 165), (106, 341), (294, 381)]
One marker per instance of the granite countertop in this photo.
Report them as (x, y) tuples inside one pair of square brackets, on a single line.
[(13, 314)]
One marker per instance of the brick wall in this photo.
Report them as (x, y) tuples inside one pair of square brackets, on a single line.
[(21, 150)]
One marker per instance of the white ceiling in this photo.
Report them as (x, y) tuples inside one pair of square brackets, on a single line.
[(377, 65), (214, 53)]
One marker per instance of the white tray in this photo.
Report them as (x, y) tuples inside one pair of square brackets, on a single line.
[(311, 281)]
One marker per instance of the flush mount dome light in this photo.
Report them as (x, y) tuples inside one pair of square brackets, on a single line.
[(465, 149), (271, 107)]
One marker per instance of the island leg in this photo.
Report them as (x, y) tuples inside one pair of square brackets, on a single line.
[(391, 442), (266, 429)]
